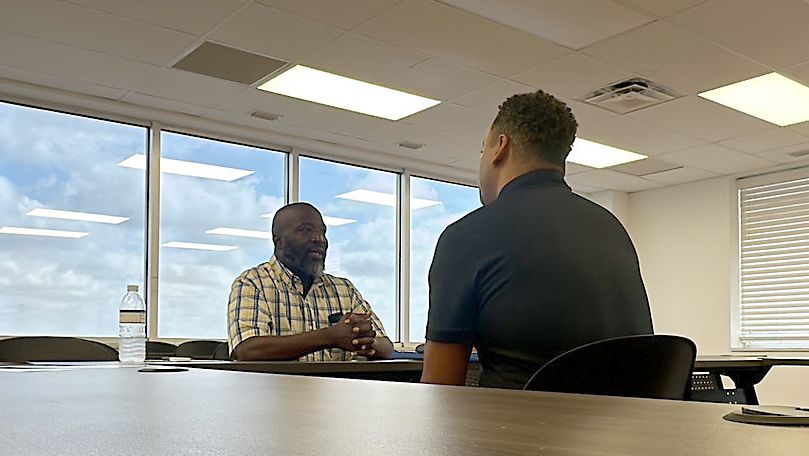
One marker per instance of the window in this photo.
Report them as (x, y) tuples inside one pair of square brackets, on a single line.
[(216, 198), (773, 309), (434, 206), (359, 208), (71, 222)]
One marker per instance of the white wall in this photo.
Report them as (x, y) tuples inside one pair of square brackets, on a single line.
[(683, 235)]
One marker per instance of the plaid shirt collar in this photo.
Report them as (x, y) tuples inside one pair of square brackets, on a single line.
[(289, 277)]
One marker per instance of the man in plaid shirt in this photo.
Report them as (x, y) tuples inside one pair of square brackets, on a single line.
[(279, 310)]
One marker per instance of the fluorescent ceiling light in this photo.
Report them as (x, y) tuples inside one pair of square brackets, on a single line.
[(595, 155), (241, 233), (771, 97), (196, 246), (345, 93), (385, 199), (337, 221), (329, 221), (187, 168), (38, 232), (81, 216)]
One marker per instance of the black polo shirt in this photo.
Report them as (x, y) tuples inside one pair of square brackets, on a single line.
[(537, 272)]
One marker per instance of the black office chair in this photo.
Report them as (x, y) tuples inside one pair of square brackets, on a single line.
[(650, 366), (222, 352), (198, 349), (159, 350), (41, 348)]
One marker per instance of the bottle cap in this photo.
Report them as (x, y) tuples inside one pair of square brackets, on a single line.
[(131, 288)]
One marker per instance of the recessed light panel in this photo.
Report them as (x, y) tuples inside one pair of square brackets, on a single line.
[(385, 199), (595, 155), (80, 216), (238, 232), (345, 93), (198, 246), (45, 233), (771, 97), (187, 168)]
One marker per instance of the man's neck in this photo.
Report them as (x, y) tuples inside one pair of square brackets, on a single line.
[(306, 279), (519, 171)]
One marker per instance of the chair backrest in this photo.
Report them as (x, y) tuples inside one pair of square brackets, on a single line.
[(222, 352), (157, 350), (198, 349), (41, 348), (648, 366)]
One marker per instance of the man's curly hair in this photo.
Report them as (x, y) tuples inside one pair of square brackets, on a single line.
[(542, 127)]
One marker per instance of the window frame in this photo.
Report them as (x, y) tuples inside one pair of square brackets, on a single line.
[(155, 122)]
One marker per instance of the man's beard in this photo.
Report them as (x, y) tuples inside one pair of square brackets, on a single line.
[(302, 265)]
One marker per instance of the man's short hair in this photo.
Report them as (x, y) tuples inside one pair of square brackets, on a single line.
[(541, 127), (283, 209)]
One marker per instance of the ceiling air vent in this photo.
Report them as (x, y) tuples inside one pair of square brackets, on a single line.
[(410, 145), (629, 95), (800, 153)]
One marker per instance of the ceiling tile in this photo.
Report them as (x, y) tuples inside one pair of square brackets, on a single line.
[(460, 37), (438, 80), (96, 30), (701, 118), (65, 62), (189, 87), (489, 98), (680, 176), (783, 154), (270, 32), (164, 104), (174, 14), (303, 113), (573, 168), (800, 128), (644, 167), (572, 75), (659, 8), (765, 140), (612, 180), (456, 120), (345, 14), (717, 159), (70, 85), (362, 58), (435, 142), (799, 73), (571, 23), (587, 114), (635, 136), (676, 58), (768, 32)]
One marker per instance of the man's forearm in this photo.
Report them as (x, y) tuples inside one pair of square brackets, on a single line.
[(282, 348)]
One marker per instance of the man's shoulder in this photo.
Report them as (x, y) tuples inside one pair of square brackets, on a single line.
[(468, 224), (337, 281), (258, 273)]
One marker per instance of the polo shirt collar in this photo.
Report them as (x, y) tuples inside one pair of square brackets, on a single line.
[(537, 178)]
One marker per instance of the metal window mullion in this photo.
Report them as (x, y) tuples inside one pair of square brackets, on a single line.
[(293, 177), (403, 262), (153, 230)]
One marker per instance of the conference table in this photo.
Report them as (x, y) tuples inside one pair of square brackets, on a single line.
[(103, 410), (745, 371)]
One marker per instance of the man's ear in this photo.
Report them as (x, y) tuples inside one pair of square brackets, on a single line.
[(503, 149)]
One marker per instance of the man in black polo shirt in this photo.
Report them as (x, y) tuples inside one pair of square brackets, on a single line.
[(537, 270)]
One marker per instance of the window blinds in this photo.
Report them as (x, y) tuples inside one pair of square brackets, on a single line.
[(774, 260)]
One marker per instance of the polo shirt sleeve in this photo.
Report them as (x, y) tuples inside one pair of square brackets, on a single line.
[(453, 314), (248, 312), (361, 306)]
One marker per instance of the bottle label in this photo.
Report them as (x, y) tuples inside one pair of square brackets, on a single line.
[(133, 316)]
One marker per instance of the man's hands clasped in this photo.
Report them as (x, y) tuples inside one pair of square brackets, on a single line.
[(355, 333)]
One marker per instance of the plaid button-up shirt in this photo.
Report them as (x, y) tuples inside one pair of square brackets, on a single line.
[(268, 300)]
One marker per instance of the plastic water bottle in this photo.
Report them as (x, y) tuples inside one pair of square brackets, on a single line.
[(132, 328)]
